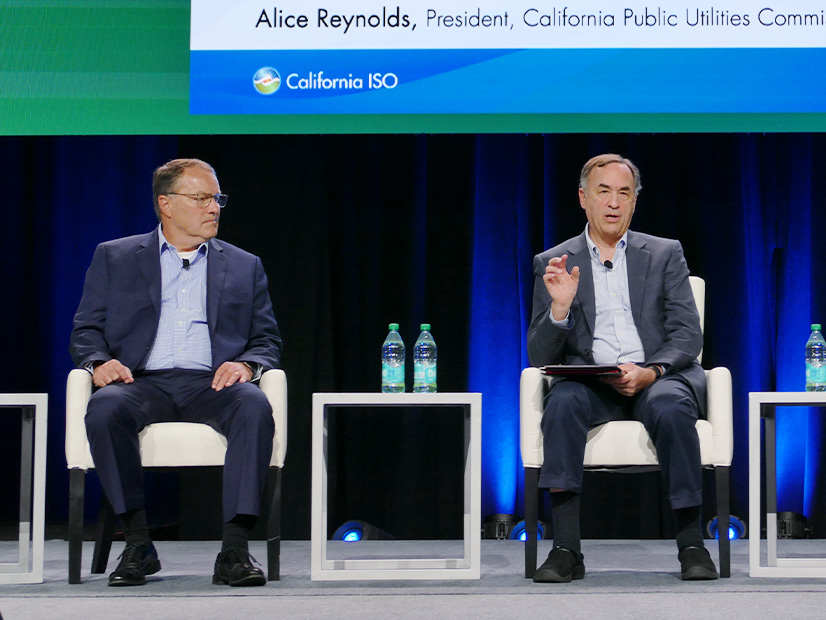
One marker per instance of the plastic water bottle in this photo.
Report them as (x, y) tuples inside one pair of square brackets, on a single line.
[(424, 361), (816, 361), (392, 361)]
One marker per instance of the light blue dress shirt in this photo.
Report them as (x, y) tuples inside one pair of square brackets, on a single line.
[(183, 338), (616, 339)]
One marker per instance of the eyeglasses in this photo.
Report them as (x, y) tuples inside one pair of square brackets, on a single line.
[(202, 200)]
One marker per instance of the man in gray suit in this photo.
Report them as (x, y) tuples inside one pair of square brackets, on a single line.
[(614, 296)]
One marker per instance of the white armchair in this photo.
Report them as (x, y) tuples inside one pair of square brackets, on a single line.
[(620, 444), (166, 444)]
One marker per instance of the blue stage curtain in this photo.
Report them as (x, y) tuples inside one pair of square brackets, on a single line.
[(64, 195), (358, 231), (748, 215)]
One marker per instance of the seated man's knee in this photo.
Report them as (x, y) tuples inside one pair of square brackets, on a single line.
[(673, 412), (567, 398), (255, 406), (107, 408)]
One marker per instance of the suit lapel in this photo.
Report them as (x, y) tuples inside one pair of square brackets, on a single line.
[(149, 261), (578, 256), (638, 259), (216, 276)]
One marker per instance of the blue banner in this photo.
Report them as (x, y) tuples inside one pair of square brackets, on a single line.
[(531, 81)]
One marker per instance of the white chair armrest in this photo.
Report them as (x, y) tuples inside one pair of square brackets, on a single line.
[(78, 391), (698, 289), (531, 406), (720, 414), (274, 384)]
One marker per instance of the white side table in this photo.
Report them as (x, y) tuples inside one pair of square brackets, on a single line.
[(762, 406), (466, 567), (29, 565)]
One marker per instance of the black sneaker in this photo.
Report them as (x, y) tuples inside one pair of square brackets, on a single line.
[(696, 564), (136, 562), (234, 567), (562, 566)]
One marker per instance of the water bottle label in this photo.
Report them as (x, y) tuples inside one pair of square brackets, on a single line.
[(424, 376), (392, 374), (430, 375), (815, 374)]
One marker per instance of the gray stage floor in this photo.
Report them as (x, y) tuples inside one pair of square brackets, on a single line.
[(625, 579)]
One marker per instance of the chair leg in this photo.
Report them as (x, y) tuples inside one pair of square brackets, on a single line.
[(531, 517), (722, 475), (274, 531), (105, 533), (76, 492)]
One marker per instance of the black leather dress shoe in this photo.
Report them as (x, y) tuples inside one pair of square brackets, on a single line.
[(234, 566), (562, 566), (696, 564), (136, 562)]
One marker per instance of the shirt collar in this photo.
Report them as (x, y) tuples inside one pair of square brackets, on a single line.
[(621, 244), (163, 244)]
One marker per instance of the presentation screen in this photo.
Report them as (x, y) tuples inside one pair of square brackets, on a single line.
[(355, 66), (468, 57)]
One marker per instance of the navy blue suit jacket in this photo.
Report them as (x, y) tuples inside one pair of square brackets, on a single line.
[(120, 309)]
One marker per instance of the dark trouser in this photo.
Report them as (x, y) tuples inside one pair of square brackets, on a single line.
[(667, 409), (241, 412)]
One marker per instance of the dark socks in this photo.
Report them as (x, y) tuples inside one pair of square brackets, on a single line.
[(135, 527), (565, 511), (237, 532), (689, 532)]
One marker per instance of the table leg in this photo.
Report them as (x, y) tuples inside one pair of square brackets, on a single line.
[(26, 462), (767, 412)]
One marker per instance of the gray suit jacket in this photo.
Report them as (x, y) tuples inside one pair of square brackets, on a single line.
[(661, 303)]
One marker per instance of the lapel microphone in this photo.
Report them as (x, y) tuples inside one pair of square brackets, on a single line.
[(186, 263), (608, 265)]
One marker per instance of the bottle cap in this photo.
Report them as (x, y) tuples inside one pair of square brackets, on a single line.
[(393, 326), (425, 327), (815, 327)]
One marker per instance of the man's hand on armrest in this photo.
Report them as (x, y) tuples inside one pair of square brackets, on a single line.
[(111, 372), (229, 373)]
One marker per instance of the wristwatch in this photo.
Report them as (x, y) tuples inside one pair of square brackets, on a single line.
[(255, 369), (90, 366), (657, 370)]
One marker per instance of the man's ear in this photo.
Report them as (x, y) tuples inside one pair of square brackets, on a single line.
[(163, 205)]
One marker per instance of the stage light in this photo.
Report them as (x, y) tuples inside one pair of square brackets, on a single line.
[(520, 533), (354, 531), (509, 527), (792, 525), (736, 529), (499, 526)]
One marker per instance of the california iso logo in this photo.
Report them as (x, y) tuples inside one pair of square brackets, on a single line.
[(266, 80)]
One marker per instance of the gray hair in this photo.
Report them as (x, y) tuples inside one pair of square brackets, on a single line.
[(603, 160)]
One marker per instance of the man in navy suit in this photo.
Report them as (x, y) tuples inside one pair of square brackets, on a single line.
[(175, 325), (614, 296)]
